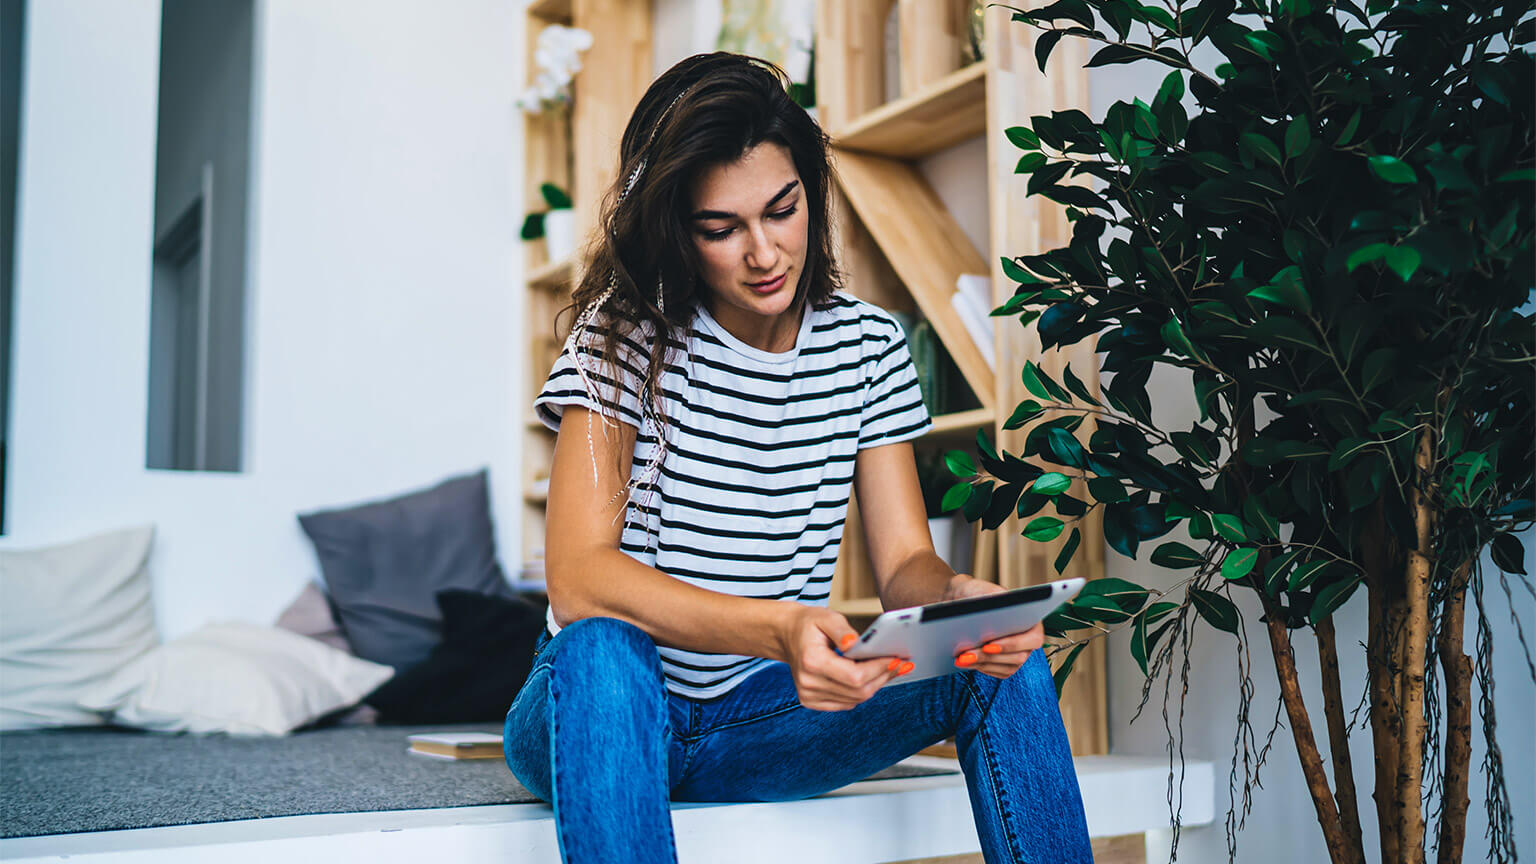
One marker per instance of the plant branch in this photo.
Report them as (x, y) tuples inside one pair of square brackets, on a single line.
[(1338, 739), (1457, 666)]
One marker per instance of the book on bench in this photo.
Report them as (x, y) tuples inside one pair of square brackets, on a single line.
[(457, 745)]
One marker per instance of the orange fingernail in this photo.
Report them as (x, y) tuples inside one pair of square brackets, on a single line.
[(966, 659), (895, 664), (992, 648), (906, 667), (848, 639)]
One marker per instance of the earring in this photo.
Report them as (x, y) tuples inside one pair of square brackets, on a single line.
[(661, 296)]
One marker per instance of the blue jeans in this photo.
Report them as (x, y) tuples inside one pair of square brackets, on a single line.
[(595, 733)]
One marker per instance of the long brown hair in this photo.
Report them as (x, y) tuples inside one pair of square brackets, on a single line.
[(707, 110)]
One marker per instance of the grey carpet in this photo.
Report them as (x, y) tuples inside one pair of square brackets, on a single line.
[(68, 781)]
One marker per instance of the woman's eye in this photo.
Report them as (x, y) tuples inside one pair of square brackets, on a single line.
[(784, 214), (726, 232), (718, 235)]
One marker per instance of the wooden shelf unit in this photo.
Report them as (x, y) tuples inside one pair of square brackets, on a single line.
[(902, 249), (576, 148)]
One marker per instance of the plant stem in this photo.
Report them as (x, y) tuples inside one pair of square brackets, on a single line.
[(1301, 730), (1381, 560), (1338, 739), (1410, 766), (1458, 720)]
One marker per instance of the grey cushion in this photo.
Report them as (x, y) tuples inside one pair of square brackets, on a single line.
[(384, 563)]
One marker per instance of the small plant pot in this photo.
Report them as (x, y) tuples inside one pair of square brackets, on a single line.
[(560, 234)]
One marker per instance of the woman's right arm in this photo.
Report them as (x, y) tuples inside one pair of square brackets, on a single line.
[(588, 576)]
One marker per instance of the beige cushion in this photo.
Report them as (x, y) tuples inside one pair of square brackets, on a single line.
[(235, 677), (70, 616), (310, 615)]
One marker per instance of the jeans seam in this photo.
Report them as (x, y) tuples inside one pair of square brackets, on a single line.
[(999, 797), (554, 762), (742, 721)]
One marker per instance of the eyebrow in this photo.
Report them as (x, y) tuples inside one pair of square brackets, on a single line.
[(721, 214)]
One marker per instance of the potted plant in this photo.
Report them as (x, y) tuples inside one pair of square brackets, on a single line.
[(557, 54), (1329, 242), (556, 225)]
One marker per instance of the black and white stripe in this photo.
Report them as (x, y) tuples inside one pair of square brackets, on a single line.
[(754, 489)]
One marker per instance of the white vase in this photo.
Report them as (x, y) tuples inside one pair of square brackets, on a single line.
[(560, 233)]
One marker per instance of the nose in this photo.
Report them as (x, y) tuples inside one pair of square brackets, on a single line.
[(761, 253)]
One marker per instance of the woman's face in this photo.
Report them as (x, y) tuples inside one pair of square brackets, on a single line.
[(749, 225)]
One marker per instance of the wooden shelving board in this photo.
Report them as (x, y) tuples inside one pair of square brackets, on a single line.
[(860, 606), (962, 422), (552, 10), (941, 115), (925, 246), (554, 276)]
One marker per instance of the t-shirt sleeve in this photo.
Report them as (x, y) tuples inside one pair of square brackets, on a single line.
[(893, 403), (615, 390)]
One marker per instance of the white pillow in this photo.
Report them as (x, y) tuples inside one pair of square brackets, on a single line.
[(236, 677), (70, 616)]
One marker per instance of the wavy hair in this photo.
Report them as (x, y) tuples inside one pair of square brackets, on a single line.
[(641, 274)]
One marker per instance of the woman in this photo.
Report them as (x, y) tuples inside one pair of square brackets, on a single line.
[(697, 497)]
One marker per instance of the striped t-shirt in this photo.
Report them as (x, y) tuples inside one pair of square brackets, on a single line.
[(753, 492)]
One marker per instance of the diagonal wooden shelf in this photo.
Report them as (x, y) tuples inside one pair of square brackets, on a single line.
[(961, 423), (552, 10), (926, 248), (941, 115), (554, 276)]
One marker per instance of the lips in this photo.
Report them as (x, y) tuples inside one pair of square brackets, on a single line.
[(770, 285)]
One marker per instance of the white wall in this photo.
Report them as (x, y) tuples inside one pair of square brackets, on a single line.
[(384, 258)]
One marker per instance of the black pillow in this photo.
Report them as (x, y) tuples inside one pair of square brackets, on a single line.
[(474, 675), (385, 561)]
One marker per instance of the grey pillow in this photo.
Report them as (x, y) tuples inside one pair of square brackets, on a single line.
[(384, 563)]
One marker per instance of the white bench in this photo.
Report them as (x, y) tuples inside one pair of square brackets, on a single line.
[(865, 823)]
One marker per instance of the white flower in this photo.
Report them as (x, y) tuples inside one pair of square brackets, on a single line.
[(558, 58)]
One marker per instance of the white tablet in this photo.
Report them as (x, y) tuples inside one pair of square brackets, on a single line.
[(932, 636)]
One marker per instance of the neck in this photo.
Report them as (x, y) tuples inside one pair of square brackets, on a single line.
[(776, 335)]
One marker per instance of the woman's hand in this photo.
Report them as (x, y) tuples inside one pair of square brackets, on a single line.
[(825, 680), (1003, 656)]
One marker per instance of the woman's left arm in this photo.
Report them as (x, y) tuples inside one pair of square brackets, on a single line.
[(907, 570)]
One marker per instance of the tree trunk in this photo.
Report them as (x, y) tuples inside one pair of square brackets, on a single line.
[(1378, 552), (1410, 765), (1458, 720), (1338, 739), (1301, 730)]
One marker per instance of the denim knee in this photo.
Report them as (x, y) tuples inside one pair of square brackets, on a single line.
[(607, 650)]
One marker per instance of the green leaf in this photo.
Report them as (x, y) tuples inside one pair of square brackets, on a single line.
[(1018, 274), (1078, 388), (1100, 609), (1064, 557), (1043, 529), (1404, 261), (1106, 489), (1348, 132), (960, 464), (1065, 669), (956, 497), (1239, 563), (1051, 483), (1275, 571), (1229, 527), (1139, 643), (1259, 145), (1157, 611), (1332, 598), (1044, 43), (1258, 516), (1393, 169), (1032, 382), (1286, 290), (1508, 554), (1297, 136), (554, 196), (1367, 254), (1264, 43), (1172, 89), (1305, 574), (1023, 413), (1377, 367), (1176, 555), (1029, 163), (1516, 176), (1175, 337), (1348, 449), (1217, 610), (1127, 595), (1023, 137)]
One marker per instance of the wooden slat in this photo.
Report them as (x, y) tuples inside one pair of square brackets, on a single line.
[(939, 115), (1027, 225), (556, 11), (925, 247), (933, 41), (850, 59), (553, 276), (614, 75), (962, 422)]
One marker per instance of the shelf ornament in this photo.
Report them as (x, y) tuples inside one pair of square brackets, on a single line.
[(558, 57)]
